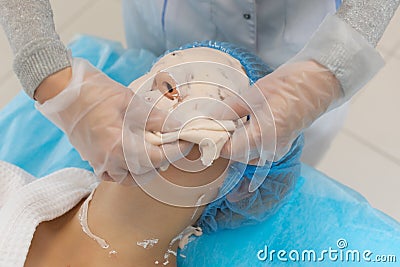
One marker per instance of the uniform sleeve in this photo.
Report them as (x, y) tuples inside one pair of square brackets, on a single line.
[(370, 18), (38, 50), (345, 43)]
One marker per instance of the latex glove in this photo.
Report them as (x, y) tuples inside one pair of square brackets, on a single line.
[(91, 110), (330, 69), (297, 94)]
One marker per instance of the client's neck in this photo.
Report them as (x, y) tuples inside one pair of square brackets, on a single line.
[(125, 215)]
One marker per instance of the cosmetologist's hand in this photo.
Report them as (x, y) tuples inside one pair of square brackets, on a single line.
[(297, 93), (91, 111)]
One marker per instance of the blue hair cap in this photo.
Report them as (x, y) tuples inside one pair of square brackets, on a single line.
[(240, 207), (253, 65)]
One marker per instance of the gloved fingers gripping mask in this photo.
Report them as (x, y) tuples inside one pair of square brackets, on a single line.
[(185, 83), (257, 136), (90, 110), (298, 93)]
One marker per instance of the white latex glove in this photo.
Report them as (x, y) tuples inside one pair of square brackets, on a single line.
[(297, 94), (331, 68), (91, 110)]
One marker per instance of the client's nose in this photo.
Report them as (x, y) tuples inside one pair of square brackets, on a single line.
[(164, 82)]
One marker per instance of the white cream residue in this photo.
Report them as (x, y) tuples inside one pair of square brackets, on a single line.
[(83, 220), (112, 253), (183, 238), (147, 243), (187, 233), (197, 205)]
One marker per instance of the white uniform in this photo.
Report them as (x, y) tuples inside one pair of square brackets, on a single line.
[(273, 29)]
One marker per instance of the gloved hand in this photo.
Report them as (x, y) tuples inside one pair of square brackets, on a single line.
[(297, 94), (333, 66), (335, 63), (91, 110)]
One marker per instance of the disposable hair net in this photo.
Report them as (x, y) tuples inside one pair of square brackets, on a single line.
[(253, 65), (238, 207)]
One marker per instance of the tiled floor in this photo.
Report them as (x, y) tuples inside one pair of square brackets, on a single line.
[(366, 153)]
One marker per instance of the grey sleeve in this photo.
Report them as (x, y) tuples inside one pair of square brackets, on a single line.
[(345, 43), (369, 17), (38, 50)]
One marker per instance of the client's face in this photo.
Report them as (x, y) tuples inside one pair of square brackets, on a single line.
[(177, 76), (188, 80)]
